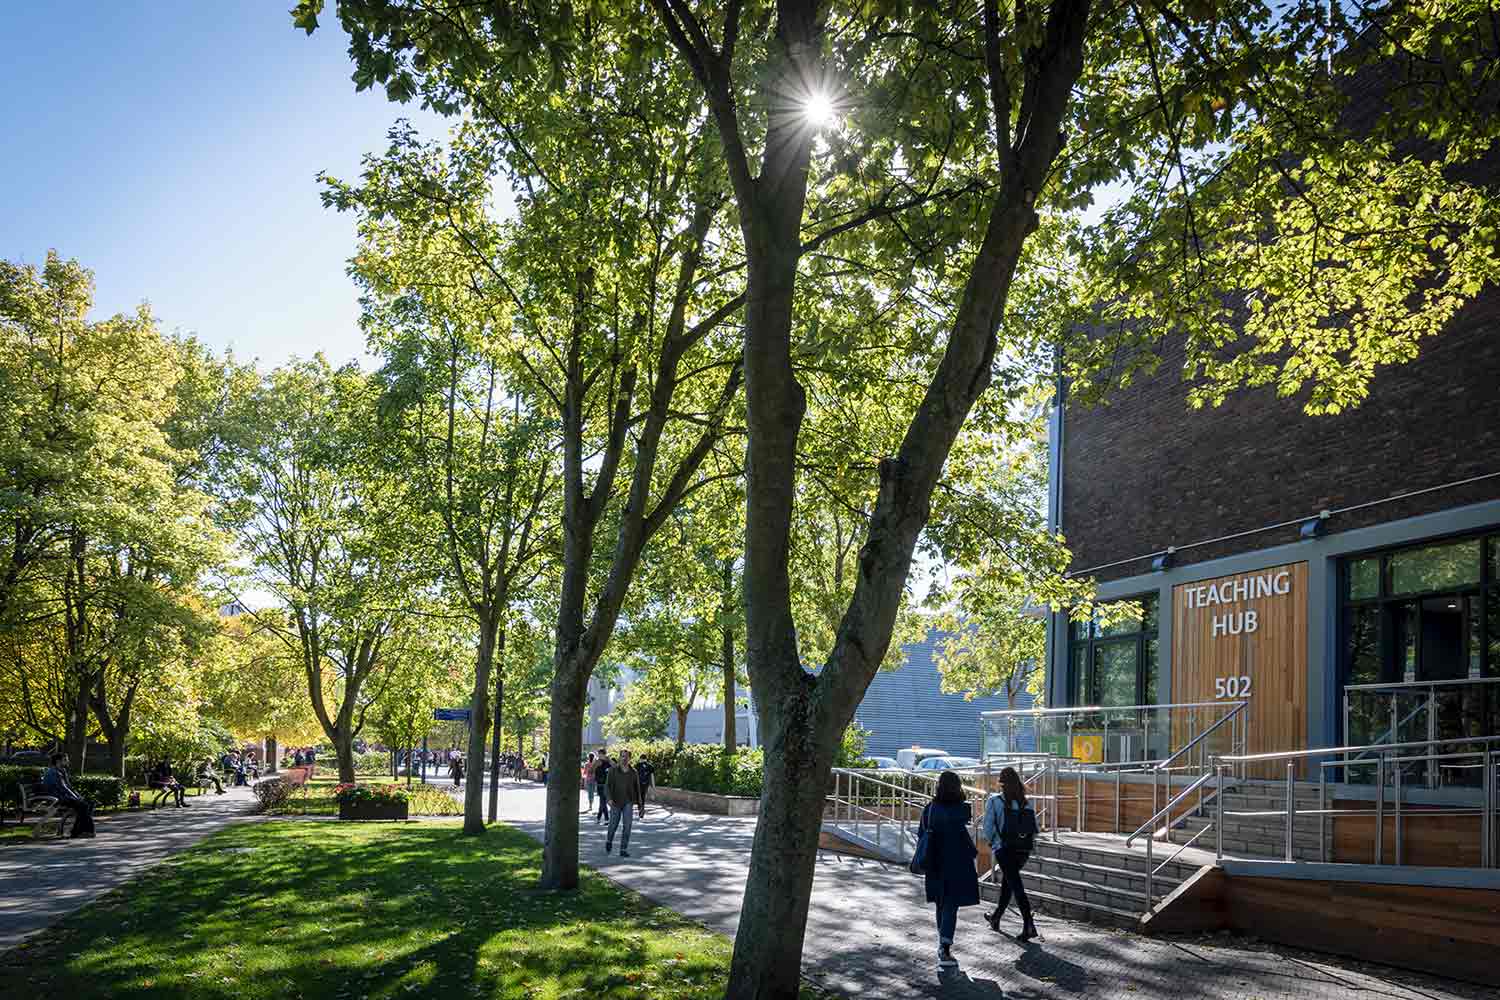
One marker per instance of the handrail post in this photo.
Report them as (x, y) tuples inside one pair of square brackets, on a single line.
[(1487, 828), (1150, 871), (1396, 779), (1432, 781), (1119, 773), (1379, 806), (1219, 817), (1291, 807), (1055, 810), (1322, 813)]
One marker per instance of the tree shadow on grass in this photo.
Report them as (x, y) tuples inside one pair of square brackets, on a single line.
[(326, 910)]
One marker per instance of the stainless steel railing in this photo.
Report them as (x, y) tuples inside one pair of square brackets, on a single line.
[(1419, 705), (1388, 759), (882, 806)]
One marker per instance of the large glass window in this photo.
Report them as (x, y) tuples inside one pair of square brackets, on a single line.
[(1436, 567), (1114, 662), (1425, 613)]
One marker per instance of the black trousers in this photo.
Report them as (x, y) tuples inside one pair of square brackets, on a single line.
[(1010, 871), (83, 816)]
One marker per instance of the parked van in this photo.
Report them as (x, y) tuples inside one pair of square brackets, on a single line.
[(909, 759)]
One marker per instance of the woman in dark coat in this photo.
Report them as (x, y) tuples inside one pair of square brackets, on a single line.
[(952, 880)]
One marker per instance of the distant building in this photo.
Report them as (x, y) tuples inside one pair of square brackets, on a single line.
[(907, 706), (902, 707)]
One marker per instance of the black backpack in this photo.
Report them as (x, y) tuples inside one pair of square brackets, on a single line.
[(1019, 834)]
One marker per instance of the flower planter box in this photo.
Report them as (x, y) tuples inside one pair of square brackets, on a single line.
[(372, 810)]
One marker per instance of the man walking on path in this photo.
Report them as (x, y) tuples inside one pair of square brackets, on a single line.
[(624, 792), (601, 778)]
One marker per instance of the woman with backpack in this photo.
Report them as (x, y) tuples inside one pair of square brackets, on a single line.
[(945, 858), (1010, 827)]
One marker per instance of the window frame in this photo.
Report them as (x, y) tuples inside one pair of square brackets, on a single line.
[(1481, 589), (1090, 642)]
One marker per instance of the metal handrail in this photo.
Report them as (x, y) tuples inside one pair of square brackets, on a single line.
[(1093, 709), (1402, 685), (1239, 706), (1255, 758), (1167, 809), (1388, 758)]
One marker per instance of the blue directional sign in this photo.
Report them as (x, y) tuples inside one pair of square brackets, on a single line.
[(451, 714)]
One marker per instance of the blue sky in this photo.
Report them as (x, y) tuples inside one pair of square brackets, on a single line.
[(173, 148)]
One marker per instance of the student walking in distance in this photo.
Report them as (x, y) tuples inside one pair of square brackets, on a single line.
[(601, 776), (947, 854), (1010, 827), (586, 775), (624, 787)]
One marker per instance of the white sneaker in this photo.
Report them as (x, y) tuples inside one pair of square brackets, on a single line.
[(945, 957)]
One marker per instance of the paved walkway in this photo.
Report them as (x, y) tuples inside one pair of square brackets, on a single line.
[(871, 935), (43, 881)]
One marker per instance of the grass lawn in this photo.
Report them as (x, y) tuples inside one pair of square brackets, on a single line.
[(316, 798), (370, 910)]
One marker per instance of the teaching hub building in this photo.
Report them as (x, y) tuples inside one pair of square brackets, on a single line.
[(1340, 573)]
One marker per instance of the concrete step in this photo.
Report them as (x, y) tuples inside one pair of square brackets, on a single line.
[(1122, 860), (1266, 801), (1107, 876), (1270, 830), (1049, 903)]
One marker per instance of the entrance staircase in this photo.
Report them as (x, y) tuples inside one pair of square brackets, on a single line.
[(1255, 822), (1092, 877)]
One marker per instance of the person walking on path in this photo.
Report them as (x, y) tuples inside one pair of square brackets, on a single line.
[(1010, 827), (949, 873), (55, 784), (586, 775), (646, 772), (624, 788), (601, 777), (456, 770)]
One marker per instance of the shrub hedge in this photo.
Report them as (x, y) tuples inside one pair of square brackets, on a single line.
[(105, 791), (708, 767)]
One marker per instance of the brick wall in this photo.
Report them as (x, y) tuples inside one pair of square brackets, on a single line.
[(1144, 471)]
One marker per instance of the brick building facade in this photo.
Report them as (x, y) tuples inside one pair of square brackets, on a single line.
[(1209, 521)]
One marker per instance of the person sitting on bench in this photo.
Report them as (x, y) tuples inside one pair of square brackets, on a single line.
[(206, 777), (55, 783), (166, 784)]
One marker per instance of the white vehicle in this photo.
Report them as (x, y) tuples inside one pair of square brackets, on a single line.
[(884, 763), (948, 764), (909, 759)]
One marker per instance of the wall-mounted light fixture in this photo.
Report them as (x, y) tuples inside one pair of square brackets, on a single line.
[(1313, 527), (1163, 561)]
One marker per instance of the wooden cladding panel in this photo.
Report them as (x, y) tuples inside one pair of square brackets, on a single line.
[(1452, 932), (1273, 656), (1427, 837), (1136, 804)]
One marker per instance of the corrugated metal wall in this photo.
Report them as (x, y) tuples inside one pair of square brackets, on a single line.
[(906, 706)]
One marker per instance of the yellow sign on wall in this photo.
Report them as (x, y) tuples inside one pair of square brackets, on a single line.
[(1089, 749)]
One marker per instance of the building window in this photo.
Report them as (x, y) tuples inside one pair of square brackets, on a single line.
[(1115, 664), (1429, 612), (1422, 613)]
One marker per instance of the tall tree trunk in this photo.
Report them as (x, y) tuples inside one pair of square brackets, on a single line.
[(560, 851), (731, 738), (479, 720), (682, 714), (343, 746), (773, 916), (496, 733)]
